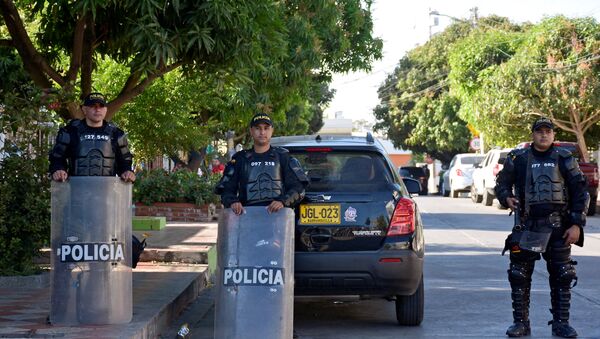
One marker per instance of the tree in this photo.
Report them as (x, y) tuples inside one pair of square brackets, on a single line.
[(416, 110), (551, 69), (271, 43)]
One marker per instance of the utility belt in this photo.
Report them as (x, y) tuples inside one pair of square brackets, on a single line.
[(534, 234)]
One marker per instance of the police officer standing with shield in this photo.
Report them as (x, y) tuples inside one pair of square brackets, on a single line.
[(551, 198), (263, 175), (91, 146)]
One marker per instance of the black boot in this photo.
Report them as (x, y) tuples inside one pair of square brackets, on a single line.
[(561, 302), (520, 303)]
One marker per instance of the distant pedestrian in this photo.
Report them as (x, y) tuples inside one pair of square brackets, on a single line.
[(217, 166), (552, 198)]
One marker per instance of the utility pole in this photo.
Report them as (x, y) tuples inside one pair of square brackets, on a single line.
[(474, 16)]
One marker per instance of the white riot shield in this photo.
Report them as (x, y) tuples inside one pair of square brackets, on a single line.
[(91, 251), (255, 275)]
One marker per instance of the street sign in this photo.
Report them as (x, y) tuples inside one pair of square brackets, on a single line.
[(475, 144)]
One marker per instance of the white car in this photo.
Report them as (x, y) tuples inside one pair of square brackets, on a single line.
[(484, 176), (458, 178)]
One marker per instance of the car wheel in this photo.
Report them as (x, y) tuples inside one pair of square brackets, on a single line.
[(476, 198), (592, 207), (410, 308), (488, 199)]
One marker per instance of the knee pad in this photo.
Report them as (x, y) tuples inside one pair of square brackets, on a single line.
[(565, 274), (519, 273)]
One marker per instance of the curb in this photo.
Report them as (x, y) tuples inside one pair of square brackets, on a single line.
[(176, 255), (165, 317)]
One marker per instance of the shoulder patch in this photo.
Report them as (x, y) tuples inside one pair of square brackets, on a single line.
[(74, 122), (517, 152), (563, 152), (280, 149)]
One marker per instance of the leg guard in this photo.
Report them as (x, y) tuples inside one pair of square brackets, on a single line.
[(519, 276), (562, 274)]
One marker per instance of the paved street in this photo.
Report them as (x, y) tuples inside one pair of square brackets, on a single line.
[(467, 294)]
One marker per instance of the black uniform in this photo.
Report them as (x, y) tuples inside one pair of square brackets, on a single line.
[(82, 150), (257, 179), (553, 198)]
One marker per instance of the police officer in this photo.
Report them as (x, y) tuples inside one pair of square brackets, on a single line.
[(91, 146), (263, 175), (551, 196)]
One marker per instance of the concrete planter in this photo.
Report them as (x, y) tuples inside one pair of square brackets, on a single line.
[(178, 211)]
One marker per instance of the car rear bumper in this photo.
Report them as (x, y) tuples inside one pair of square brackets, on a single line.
[(357, 273)]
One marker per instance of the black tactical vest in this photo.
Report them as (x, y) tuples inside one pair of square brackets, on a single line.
[(547, 184), (265, 182), (95, 154)]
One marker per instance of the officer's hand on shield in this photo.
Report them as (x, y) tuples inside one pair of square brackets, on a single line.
[(572, 235), (60, 175), (237, 208), (512, 203), (128, 176), (274, 206)]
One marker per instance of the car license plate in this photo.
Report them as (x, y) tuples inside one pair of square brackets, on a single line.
[(320, 214)]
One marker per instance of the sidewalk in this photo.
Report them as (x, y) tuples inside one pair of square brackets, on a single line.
[(161, 290)]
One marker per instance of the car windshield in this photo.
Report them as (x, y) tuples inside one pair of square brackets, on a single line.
[(344, 170), (474, 160)]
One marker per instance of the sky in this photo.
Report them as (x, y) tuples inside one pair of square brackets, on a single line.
[(405, 24)]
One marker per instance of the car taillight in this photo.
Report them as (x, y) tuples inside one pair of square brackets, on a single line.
[(403, 219), (496, 169), (459, 172)]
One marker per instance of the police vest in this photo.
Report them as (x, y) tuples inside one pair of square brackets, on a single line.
[(95, 154), (264, 178), (547, 183)]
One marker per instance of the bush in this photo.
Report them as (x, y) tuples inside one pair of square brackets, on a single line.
[(182, 185), (24, 211)]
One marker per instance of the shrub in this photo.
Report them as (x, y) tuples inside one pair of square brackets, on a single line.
[(182, 185), (24, 211)]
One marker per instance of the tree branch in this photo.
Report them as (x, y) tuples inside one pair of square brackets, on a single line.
[(129, 91), (87, 57), (76, 54), (34, 63)]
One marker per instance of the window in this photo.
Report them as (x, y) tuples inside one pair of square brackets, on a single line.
[(344, 170)]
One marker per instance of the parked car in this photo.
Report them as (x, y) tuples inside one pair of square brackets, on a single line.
[(358, 231), (458, 176), (418, 173), (484, 176), (589, 169)]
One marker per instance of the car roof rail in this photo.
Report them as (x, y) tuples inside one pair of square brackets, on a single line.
[(370, 139)]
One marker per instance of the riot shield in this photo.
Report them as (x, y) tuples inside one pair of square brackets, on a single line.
[(255, 272), (91, 251)]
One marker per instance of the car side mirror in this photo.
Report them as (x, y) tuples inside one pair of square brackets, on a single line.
[(413, 186)]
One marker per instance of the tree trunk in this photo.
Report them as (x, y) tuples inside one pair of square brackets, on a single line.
[(582, 145)]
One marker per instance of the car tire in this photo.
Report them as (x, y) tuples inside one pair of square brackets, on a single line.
[(410, 308), (592, 208), (453, 193), (476, 198), (488, 198)]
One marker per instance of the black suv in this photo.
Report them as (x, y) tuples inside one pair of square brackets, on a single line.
[(358, 231)]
